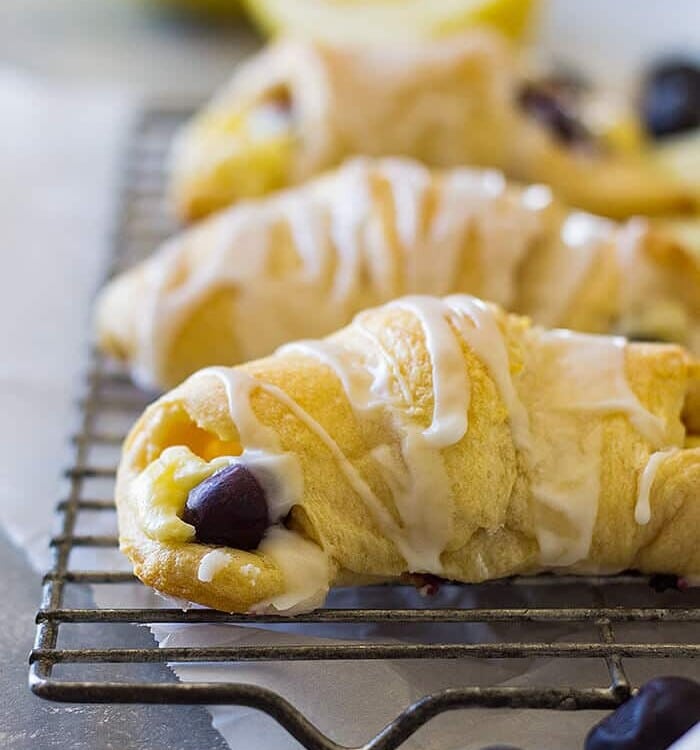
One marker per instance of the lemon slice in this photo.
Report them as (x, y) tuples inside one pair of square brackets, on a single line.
[(359, 21)]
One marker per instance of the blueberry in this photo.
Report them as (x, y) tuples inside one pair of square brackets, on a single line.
[(663, 710), (550, 108), (229, 508), (664, 581), (671, 98)]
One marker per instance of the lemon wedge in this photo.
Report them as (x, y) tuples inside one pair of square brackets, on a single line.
[(369, 21)]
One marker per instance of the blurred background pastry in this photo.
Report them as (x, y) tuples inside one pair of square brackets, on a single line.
[(302, 262), (301, 107)]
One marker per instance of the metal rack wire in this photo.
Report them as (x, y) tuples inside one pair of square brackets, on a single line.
[(142, 222)]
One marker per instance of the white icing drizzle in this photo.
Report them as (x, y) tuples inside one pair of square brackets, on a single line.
[(506, 228), (346, 224), (279, 473), (597, 365), (366, 389), (280, 476), (581, 229), (305, 566), (239, 385), (503, 228), (212, 564), (570, 257), (642, 508), (389, 366), (566, 481), (487, 342), (230, 378), (417, 478), (413, 474), (154, 328), (346, 261), (574, 373), (169, 305), (450, 388), (409, 182), (569, 374), (649, 301), (537, 197), (306, 571), (308, 236), (638, 276)]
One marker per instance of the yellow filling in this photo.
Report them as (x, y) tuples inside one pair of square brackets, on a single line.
[(625, 135), (162, 488), (248, 154), (615, 122)]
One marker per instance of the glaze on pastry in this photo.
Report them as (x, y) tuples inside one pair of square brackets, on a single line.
[(435, 436), (299, 108), (301, 263)]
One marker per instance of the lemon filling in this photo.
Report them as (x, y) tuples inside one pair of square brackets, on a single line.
[(162, 488), (251, 150)]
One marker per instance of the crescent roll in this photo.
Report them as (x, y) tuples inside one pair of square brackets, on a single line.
[(434, 436), (301, 263), (301, 107)]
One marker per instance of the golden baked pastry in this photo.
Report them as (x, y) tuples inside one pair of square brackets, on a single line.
[(436, 436), (301, 263), (302, 107)]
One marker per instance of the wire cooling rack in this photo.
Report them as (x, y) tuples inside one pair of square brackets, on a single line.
[(111, 403)]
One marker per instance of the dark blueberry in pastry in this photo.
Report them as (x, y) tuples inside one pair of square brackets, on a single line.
[(552, 110), (671, 98), (663, 582), (663, 710), (229, 508)]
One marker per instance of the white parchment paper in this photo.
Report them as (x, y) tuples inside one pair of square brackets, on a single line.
[(59, 154)]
